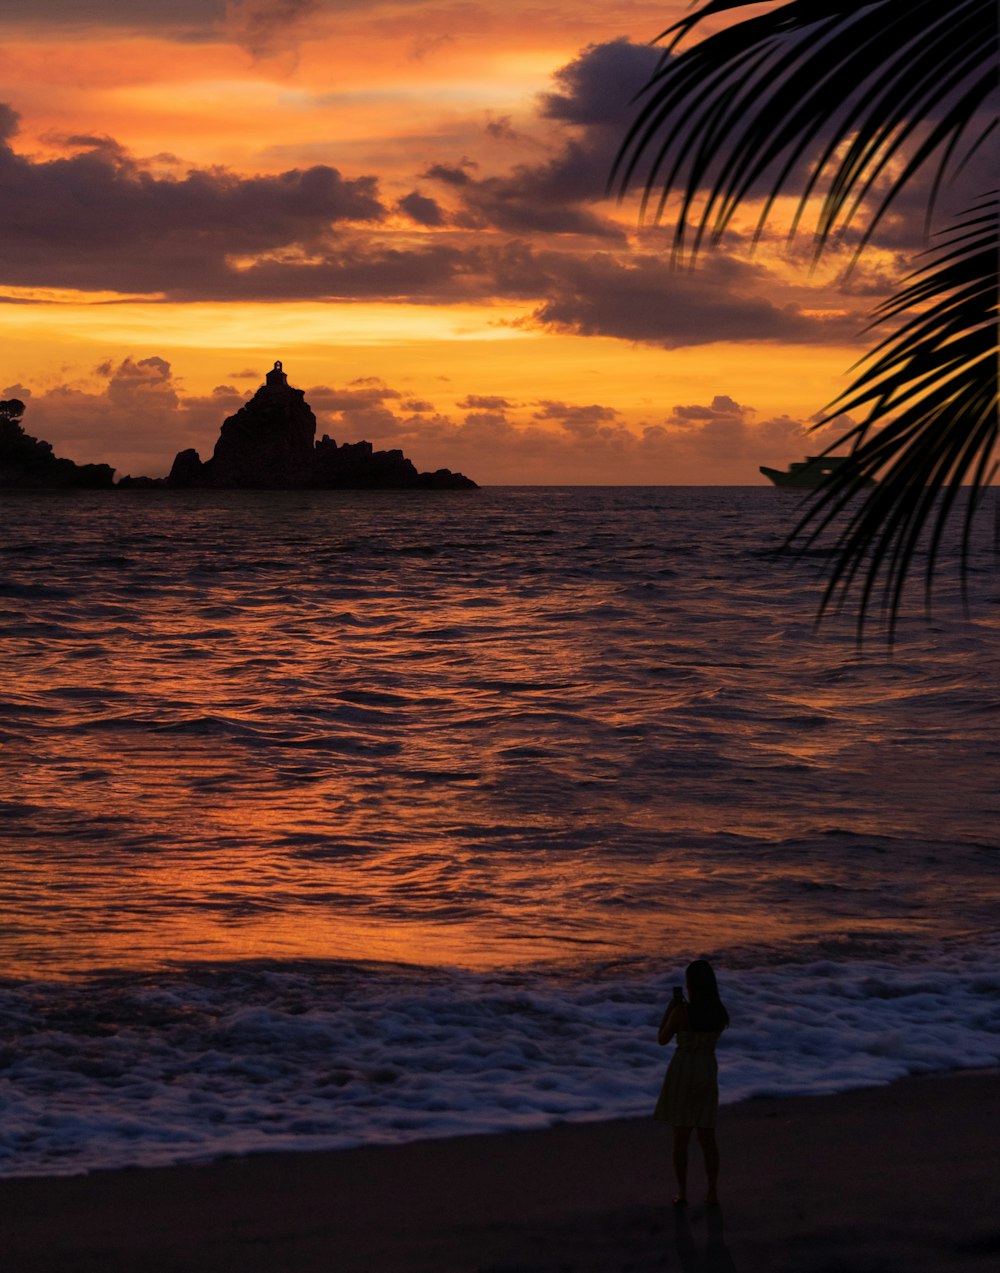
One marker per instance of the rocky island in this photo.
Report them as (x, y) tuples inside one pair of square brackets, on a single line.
[(269, 444), (26, 463)]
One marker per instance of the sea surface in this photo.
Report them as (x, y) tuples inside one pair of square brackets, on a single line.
[(334, 818)]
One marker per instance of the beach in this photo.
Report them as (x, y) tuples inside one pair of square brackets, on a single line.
[(901, 1177)]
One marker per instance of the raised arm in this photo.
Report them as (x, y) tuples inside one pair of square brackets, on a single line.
[(674, 1019)]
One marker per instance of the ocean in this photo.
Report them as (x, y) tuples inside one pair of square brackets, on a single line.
[(332, 818)]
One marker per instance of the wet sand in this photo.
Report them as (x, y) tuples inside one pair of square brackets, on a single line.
[(904, 1179)]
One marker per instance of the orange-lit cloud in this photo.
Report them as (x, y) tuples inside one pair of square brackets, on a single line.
[(409, 190)]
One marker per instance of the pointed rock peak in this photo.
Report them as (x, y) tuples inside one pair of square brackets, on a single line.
[(269, 444)]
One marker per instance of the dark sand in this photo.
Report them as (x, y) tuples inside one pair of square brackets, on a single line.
[(901, 1179)]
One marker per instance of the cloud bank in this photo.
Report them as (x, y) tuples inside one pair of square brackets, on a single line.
[(541, 234), (140, 415)]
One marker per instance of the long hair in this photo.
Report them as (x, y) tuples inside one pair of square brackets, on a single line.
[(706, 1011)]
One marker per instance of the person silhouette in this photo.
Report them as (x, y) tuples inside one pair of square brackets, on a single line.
[(689, 1097)]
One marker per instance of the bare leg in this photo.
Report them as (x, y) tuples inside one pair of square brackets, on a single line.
[(682, 1138), (710, 1148)]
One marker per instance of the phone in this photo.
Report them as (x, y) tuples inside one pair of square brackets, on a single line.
[(678, 993)]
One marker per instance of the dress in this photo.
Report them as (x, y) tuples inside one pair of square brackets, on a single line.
[(689, 1096)]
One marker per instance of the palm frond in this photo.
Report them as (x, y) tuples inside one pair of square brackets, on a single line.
[(930, 392), (849, 89)]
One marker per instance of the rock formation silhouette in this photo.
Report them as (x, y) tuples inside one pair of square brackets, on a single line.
[(27, 463), (269, 444)]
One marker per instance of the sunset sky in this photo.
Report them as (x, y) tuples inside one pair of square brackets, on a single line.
[(404, 201)]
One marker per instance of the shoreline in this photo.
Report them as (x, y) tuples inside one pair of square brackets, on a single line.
[(896, 1177)]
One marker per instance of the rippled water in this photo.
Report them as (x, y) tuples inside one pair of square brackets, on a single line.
[(255, 745)]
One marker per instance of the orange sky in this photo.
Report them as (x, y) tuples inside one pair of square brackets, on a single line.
[(404, 202)]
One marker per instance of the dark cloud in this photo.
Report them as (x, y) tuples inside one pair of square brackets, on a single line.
[(528, 201), (100, 219), (722, 406), (263, 27), (597, 89), (593, 103), (357, 412), (358, 396), (452, 174), (642, 298), (483, 402), (10, 121), (558, 195), (164, 15), (269, 27), (146, 380), (631, 296), (501, 128), (87, 141), (434, 274), (583, 101), (582, 421), (424, 46), (425, 211), (918, 213), (595, 97)]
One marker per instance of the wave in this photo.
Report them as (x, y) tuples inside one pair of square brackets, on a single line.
[(127, 1070)]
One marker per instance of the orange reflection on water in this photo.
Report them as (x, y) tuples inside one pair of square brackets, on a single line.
[(523, 727)]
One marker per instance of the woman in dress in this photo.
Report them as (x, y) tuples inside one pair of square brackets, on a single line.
[(689, 1098)]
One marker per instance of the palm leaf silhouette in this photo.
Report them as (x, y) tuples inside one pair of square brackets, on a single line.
[(849, 100), (930, 390), (844, 86)]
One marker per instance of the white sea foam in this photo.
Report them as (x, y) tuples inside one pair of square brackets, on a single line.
[(130, 1071)]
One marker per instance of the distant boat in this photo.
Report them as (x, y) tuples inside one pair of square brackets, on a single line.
[(807, 474)]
